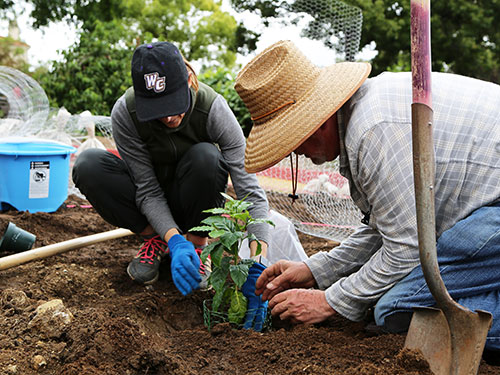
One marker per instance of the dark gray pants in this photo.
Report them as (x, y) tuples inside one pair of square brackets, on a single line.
[(199, 177)]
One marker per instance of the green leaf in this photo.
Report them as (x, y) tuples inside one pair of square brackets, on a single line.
[(216, 233), (228, 292), (243, 205), (251, 237), (228, 197), (247, 262), (239, 273), (265, 221), (244, 216), (229, 239), (215, 221), (217, 210), (219, 275), (217, 254), (238, 308), (203, 228), (219, 222), (207, 251), (218, 298)]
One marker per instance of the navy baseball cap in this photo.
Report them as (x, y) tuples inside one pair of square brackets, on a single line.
[(160, 80)]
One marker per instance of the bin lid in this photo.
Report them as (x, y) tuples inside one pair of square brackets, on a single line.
[(33, 146)]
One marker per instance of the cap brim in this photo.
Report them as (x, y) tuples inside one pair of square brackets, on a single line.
[(269, 142), (153, 108)]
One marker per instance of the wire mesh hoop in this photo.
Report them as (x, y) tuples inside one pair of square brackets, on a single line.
[(212, 318), (337, 24), (23, 102)]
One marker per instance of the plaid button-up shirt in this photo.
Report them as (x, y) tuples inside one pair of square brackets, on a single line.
[(376, 157)]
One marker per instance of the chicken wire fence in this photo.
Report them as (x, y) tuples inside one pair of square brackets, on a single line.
[(25, 112), (324, 207), (23, 102), (335, 23)]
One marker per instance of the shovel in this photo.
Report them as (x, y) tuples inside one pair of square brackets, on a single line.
[(61, 247), (451, 337)]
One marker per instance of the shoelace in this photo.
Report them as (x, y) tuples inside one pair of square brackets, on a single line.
[(150, 248)]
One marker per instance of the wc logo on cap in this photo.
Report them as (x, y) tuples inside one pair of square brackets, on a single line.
[(155, 82)]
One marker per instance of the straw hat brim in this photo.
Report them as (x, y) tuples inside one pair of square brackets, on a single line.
[(272, 140)]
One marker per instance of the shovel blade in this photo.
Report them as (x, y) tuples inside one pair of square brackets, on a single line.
[(453, 345), (429, 332), (468, 336)]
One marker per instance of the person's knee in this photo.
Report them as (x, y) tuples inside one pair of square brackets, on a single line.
[(205, 160), (86, 165), (203, 153), (387, 316), (475, 236)]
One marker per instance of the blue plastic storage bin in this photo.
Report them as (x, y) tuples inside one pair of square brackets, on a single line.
[(34, 174)]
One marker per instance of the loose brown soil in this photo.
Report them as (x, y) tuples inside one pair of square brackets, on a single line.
[(106, 324)]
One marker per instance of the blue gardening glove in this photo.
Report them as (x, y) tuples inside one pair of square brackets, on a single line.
[(257, 309), (184, 264)]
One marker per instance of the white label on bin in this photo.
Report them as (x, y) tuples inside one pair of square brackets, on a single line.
[(39, 179)]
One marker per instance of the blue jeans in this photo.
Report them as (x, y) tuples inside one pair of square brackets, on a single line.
[(469, 261)]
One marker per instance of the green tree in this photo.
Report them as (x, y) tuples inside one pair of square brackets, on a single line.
[(222, 80), (203, 29), (465, 35), (96, 70), (11, 54), (93, 73), (6, 4), (199, 27), (85, 12)]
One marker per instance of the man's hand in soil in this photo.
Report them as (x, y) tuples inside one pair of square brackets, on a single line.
[(283, 275), (301, 306), (185, 264), (257, 308)]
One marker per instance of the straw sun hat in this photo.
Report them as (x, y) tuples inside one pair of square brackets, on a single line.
[(289, 98)]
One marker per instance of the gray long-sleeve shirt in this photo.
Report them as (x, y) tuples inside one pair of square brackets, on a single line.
[(376, 157), (223, 130)]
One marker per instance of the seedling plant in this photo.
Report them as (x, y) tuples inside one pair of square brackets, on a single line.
[(228, 226)]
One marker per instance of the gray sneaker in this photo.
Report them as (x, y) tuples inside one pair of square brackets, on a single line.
[(144, 268), (205, 271)]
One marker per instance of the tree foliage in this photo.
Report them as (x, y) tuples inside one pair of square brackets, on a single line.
[(222, 81), (6, 4), (200, 26), (86, 12), (465, 35), (93, 73), (11, 54)]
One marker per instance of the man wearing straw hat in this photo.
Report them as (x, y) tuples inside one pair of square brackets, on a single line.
[(335, 111)]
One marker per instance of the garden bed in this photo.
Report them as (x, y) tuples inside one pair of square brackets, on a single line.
[(109, 325)]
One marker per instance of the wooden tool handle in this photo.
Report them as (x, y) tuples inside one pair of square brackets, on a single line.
[(61, 247)]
